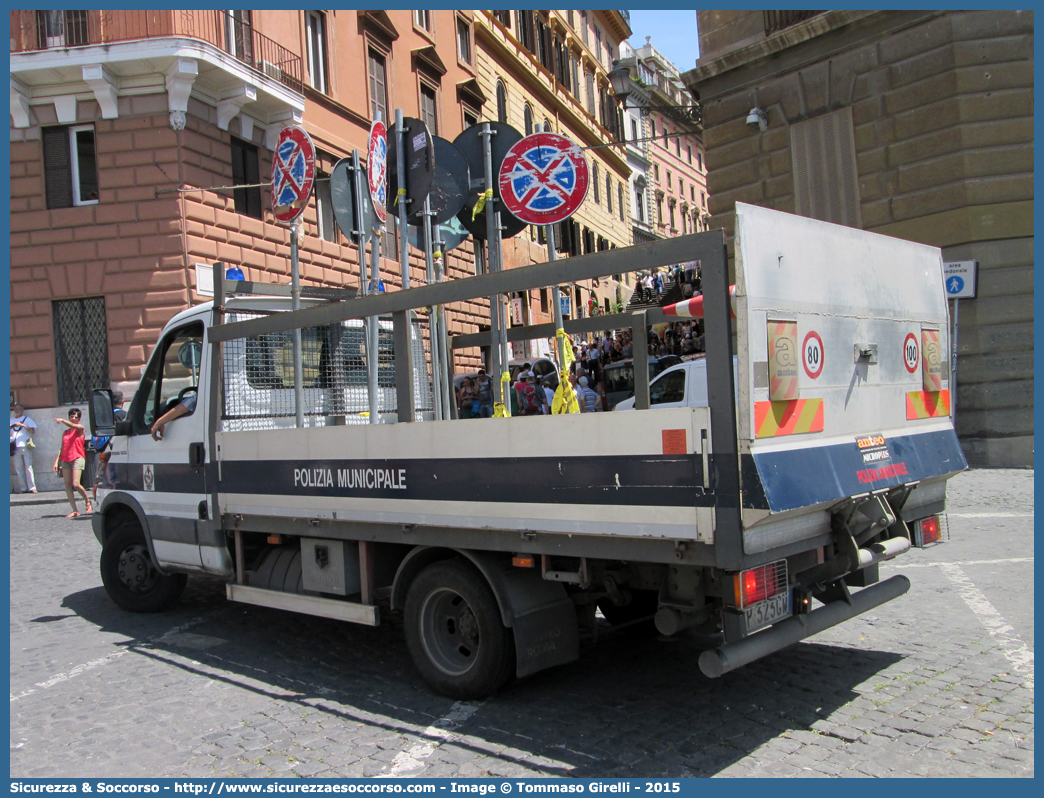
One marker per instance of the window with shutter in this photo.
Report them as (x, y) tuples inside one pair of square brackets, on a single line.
[(324, 208), (57, 175), (501, 102), (826, 181), (246, 172), (527, 34), (609, 193), (464, 40), (316, 41), (378, 86), (70, 166), (429, 112)]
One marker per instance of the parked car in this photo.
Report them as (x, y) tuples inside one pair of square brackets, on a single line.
[(619, 377), (683, 385), (541, 367)]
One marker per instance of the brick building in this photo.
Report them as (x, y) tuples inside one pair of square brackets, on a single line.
[(915, 124), (125, 127)]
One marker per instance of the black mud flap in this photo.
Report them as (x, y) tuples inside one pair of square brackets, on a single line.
[(540, 613)]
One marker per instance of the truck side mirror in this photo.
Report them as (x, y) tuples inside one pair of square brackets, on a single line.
[(102, 417)]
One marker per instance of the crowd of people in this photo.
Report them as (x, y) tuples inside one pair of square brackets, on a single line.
[(535, 395), (652, 285)]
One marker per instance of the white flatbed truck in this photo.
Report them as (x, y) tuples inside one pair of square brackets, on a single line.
[(498, 538)]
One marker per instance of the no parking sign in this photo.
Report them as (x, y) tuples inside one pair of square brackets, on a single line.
[(544, 178), (293, 173), (377, 169)]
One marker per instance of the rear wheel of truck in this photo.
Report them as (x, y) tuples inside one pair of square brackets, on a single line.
[(454, 632), (130, 576)]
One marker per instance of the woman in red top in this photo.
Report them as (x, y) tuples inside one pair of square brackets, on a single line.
[(72, 459)]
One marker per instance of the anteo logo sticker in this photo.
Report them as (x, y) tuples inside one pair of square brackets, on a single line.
[(874, 448)]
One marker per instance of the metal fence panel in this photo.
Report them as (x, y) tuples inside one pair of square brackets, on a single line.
[(258, 376)]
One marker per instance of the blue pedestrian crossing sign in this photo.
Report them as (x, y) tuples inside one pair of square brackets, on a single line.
[(960, 278)]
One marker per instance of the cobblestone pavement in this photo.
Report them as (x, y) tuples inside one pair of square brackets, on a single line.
[(936, 683)]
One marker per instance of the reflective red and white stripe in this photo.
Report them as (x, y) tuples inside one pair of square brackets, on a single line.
[(693, 308)]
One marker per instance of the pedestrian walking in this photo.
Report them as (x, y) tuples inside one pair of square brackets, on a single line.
[(467, 399), (587, 398), (71, 460), (484, 388), (549, 394), (22, 447), (531, 398)]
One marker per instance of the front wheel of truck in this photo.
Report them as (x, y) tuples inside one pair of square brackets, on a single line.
[(130, 576), (454, 632)]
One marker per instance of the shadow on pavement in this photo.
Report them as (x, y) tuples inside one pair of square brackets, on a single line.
[(629, 707)]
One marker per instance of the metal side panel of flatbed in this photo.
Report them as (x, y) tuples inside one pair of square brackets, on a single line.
[(639, 475)]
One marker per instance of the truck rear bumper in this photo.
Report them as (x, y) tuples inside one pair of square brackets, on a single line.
[(733, 655)]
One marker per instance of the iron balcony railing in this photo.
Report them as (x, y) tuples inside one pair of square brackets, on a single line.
[(232, 32)]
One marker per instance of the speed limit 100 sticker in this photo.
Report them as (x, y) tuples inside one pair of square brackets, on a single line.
[(812, 354), (911, 353)]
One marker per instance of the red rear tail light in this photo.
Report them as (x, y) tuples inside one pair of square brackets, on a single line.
[(758, 584), (928, 531)]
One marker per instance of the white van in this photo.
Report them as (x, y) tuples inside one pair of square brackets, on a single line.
[(683, 385)]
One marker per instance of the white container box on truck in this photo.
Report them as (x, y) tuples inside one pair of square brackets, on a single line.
[(498, 537)]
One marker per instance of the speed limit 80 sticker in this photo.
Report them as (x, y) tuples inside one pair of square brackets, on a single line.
[(812, 354)]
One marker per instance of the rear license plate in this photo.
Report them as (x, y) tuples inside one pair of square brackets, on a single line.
[(767, 612)]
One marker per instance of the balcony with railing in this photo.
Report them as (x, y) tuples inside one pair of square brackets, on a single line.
[(231, 32)]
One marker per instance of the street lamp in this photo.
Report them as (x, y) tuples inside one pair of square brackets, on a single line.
[(620, 78)]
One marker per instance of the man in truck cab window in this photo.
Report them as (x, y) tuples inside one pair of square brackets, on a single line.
[(170, 386), (183, 408)]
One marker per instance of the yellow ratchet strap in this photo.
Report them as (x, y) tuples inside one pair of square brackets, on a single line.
[(566, 347), (565, 400), (503, 409), (481, 204)]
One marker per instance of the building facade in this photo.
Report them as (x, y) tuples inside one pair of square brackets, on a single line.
[(129, 130), (549, 68), (915, 124), (678, 188)]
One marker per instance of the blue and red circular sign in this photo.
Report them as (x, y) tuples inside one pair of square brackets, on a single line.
[(293, 173), (377, 168), (544, 178)]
